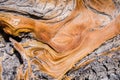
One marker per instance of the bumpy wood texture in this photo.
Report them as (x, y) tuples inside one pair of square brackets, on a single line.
[(66, 30)]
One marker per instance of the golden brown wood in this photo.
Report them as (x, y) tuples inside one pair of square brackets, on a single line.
[(89, 25)]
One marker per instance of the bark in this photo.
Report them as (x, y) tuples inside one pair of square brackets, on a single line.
[(64, 31)]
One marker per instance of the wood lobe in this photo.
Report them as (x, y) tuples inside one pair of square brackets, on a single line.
[(68, 40)]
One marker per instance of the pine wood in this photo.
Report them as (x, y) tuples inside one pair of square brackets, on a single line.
[(61, 44)]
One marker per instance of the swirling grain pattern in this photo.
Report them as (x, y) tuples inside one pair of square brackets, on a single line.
[(66, 30)]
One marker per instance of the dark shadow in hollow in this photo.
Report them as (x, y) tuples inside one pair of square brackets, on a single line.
[(6, 38), (19, 56)]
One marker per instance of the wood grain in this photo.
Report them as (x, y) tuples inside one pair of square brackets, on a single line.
[(65, 38)]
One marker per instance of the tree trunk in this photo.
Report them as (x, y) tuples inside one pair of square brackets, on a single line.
[(59, 39)]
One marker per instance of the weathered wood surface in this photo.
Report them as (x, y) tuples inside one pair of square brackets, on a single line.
[(66, 31), (96, 70)]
